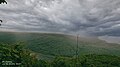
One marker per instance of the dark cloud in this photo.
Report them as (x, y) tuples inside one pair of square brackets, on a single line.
[(92, 17)]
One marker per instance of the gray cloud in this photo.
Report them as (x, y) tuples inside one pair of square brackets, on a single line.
[(90, 17)]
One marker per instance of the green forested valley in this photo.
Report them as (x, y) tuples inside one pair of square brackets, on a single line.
[(56, 50)]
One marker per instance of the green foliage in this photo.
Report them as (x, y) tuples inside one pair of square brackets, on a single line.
[(38, 47), (91, 60), (42, 63), (103, 60), (47, 46), (60, 62), (16, 54)]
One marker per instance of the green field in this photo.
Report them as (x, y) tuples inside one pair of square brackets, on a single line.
[(47, 45)]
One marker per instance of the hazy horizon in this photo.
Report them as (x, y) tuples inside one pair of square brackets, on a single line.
[(97, 18)]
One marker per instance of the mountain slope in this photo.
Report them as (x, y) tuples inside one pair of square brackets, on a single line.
[(50, 45)]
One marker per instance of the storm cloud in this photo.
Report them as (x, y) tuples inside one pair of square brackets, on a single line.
[(89, 17)]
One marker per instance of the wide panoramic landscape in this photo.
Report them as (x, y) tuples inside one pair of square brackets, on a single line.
[(59, 33)]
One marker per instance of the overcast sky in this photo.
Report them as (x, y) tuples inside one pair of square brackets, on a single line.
[(85, 17)]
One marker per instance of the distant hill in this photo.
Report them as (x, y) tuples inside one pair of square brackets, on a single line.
[(47, 45)]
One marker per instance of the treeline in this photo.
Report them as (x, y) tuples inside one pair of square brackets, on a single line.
[(17, 56)]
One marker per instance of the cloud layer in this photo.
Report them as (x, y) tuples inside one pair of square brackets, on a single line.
[(89, 17)]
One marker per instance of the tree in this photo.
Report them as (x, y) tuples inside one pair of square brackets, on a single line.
[(16, 53)]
